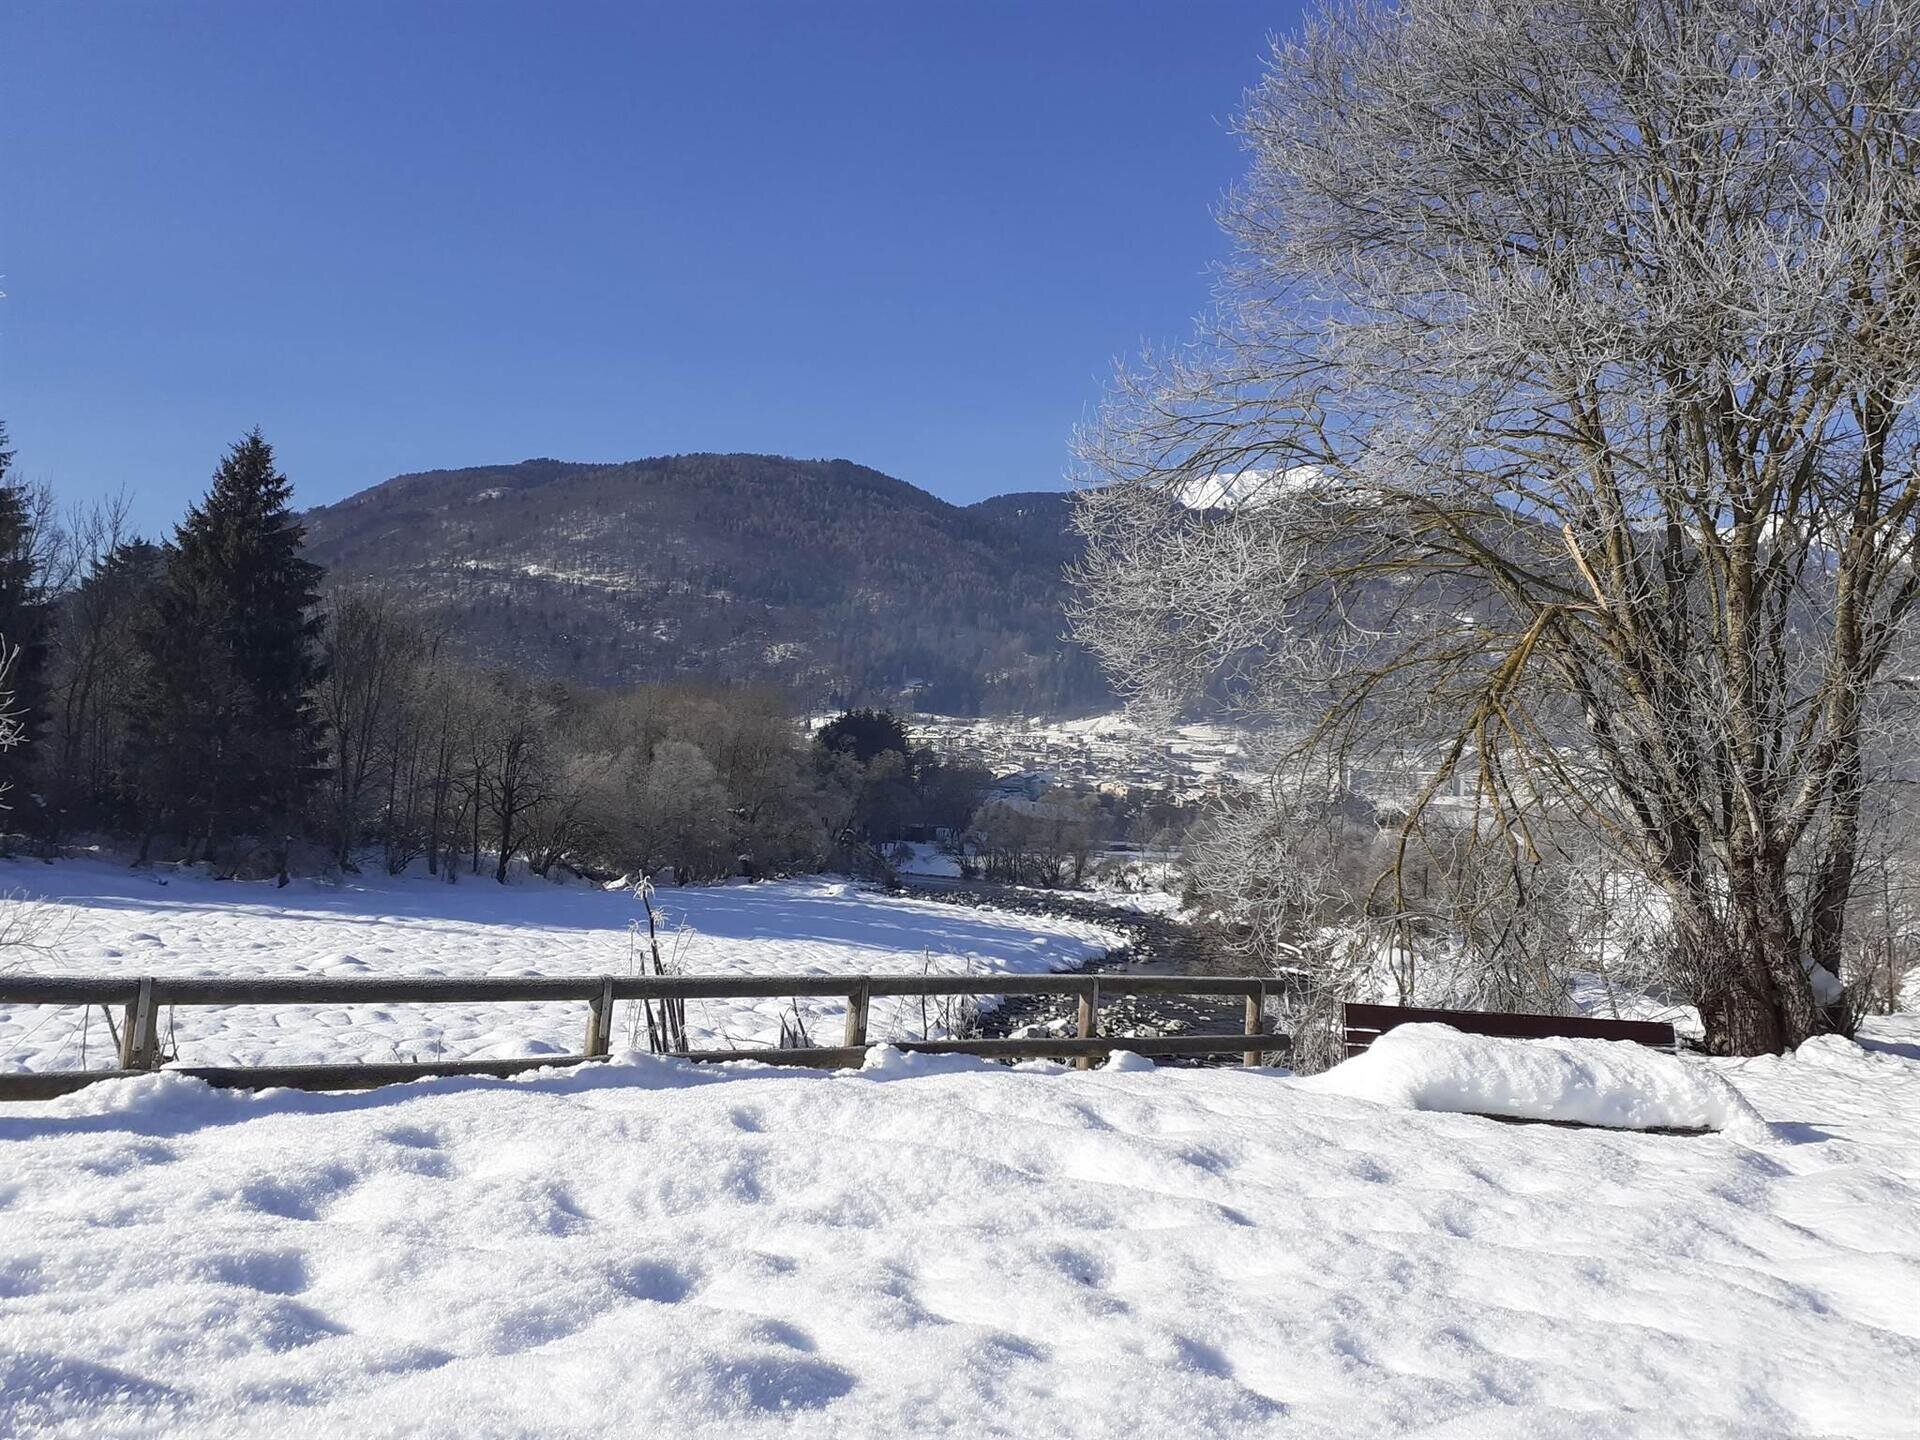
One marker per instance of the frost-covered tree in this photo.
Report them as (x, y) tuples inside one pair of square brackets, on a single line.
[(371, 649), (1556, 428), (511, 735), (13, 731), (680, 813)]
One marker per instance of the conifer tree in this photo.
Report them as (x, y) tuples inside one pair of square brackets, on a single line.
[(23, 627), (233, 739), (96, 686)]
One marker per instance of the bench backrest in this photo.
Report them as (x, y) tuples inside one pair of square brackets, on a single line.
[(1367, 1023)]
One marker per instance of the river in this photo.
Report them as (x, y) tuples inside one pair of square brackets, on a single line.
[(1159, 945)]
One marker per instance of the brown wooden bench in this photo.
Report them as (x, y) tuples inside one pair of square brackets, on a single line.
[(1366, 1023)]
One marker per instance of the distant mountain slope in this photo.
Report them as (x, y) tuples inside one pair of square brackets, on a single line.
[(835, 580)]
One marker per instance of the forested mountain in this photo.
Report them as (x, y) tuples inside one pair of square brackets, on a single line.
[(843, 584)]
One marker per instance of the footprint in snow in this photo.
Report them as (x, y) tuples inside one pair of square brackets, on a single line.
[(1195, 1355), (652, 1280), (409, 1359), (411, 1136), (778, 1332), (270, 1272), (20, 1277), (1371, 1171), (43, 1380), (128, 1157), (298, 1196), (287, 1326), (776, 1382), (1079, 1266)]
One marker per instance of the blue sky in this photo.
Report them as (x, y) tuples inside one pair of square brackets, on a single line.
[(407, 236)]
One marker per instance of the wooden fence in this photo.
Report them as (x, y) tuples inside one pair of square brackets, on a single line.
[(141, 999)]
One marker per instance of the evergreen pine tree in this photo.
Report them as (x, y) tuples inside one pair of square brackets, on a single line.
[(866, 735), (231, 736), (23, 627), (97, 684)]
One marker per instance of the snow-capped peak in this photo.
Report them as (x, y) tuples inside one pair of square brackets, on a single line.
[(1247, 489)]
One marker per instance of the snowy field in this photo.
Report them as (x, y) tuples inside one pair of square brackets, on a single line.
[(104, 918), (924, 1247)]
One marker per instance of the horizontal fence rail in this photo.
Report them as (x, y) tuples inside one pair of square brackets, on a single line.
[(378, 990), (141, 999)]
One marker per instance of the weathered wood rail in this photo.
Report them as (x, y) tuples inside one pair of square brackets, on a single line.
[(140, 1000)]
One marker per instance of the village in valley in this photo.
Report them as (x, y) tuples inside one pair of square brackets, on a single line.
[(1109, 755)]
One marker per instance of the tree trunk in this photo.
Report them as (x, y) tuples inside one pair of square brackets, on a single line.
[(1755, 995), (506, 850), (506, 814), (1833, 889), (1740, 1021), (433, 828)]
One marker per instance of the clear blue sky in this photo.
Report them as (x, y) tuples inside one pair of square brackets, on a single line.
[(405, 236)]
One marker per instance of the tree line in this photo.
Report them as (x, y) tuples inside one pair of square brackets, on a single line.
[(219, 698)]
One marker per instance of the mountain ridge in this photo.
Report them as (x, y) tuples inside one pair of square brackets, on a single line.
[(834, 580)]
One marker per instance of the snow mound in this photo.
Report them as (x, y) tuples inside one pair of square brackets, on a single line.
[(884, 1062), (1611, 1083)]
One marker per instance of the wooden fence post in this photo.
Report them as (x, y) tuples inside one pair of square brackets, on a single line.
[(140, 1032), (1256, 1023), (1089, 1020), (600, 1021), (857, 1000)]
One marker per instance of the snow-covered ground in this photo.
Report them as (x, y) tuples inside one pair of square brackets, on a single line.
[(932, 862), (922, 858), (1144, 902), (922, 1246), (944, 1247), (104, 918)]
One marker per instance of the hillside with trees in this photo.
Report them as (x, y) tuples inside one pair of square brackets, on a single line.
[(832, 582)]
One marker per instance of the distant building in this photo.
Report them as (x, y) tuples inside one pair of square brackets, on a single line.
[(1021, 785)]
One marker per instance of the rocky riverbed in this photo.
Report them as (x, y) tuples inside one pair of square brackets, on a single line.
[(1158, 945)]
